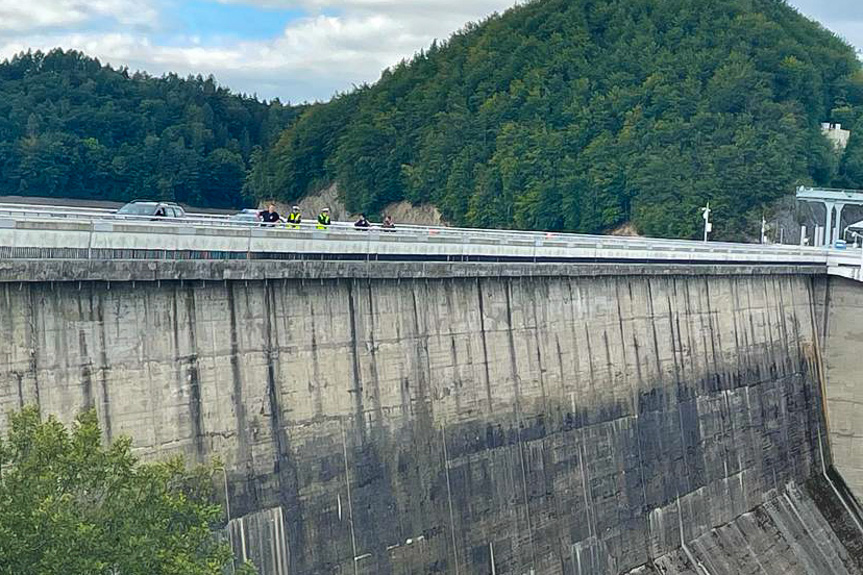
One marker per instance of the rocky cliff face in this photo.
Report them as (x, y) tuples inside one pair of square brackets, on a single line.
[(402, 212)]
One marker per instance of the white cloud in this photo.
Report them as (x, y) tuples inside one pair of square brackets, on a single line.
[(340, 43), (440, 8), (310, 60), (18, 15), (313, 58)]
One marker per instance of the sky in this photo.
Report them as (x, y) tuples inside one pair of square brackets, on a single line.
[(294, 50)]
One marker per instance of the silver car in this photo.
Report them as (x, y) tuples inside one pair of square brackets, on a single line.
[(152, 209)]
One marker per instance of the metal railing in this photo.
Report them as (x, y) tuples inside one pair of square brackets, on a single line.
[(96, 233), (17, 211)]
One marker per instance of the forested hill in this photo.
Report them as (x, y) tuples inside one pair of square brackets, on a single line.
[(587, 114), (71, 127)]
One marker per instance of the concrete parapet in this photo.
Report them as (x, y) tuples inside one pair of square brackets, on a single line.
[(61, 270)]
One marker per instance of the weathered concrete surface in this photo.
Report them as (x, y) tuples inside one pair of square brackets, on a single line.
[(563, 424), (841, 314), (71, 270), (788, 534)]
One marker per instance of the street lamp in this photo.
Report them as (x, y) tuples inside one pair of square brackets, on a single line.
[(705, 214)]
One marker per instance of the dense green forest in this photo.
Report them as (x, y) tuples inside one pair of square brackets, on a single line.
[(588, 114), (72, 127)]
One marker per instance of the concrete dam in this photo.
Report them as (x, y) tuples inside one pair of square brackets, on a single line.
[(506, 418), (574, 422)]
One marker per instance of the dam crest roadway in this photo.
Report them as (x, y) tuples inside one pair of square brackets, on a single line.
[(38, 232)]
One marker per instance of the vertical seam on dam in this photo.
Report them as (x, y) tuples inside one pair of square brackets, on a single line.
[(783, 319), (269, 353), (317, 383), (357, 389), (540, 371), (819, 363), (195, 406), (33, 348), (373, 365), (426, 405), (576, 353), (458, 380), (86, 369), (634, 390), (715, 336), (284, 465), (84, 360), (243, 452), (103, 360), (734, 313), (482, 331), (518, 415)]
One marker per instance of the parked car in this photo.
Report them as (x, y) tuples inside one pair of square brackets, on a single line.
[(152, 209), (247, 216)]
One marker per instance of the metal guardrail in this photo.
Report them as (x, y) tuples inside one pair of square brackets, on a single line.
[(58, 212), (96, 233)]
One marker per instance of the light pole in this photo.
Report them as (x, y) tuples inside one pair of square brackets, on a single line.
[(705, 213)]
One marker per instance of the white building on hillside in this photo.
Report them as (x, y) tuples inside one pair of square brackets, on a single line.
[(836, 135)]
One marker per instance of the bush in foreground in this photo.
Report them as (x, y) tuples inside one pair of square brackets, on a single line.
[(69, 505)]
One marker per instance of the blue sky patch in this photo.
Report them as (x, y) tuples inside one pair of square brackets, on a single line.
[(212, 20)]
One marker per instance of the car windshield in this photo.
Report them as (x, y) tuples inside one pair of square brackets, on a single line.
[(137, 209)]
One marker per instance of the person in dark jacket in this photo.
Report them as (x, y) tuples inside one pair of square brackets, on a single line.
[(269, 217), (363, 222)]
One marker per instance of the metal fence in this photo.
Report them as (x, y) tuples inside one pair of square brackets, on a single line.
[(29, 232)]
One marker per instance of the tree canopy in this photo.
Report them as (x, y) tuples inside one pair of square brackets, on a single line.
[(587, 114), (72, 127), (70, 506)]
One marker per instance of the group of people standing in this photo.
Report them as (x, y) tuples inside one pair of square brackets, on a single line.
[(363, 222), (270, 217)]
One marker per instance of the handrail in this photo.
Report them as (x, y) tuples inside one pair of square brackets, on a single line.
[(84, 211), (39, 213), (32, 226)]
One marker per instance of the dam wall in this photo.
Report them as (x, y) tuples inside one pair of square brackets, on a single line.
[(840, 304), (473, 420)]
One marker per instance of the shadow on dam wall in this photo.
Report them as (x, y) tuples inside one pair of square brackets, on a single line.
[(505, 426)]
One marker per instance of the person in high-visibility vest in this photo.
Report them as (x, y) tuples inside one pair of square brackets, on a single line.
[(295, 218), (324, 219)]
